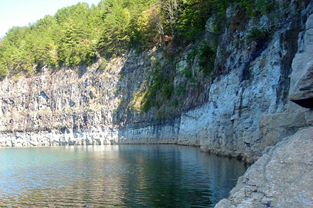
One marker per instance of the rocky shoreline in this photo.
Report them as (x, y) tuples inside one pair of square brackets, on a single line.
[(260, 110), (237, 114), (283, 176)]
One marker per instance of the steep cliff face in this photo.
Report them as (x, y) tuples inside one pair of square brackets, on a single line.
[(248, 108), (239, 113), (81, 106), (282, 177)]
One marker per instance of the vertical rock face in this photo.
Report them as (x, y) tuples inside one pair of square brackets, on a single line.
[(301, 91), (261, 96), (239, 113), (248, 108), (283, 176), (81, 106)]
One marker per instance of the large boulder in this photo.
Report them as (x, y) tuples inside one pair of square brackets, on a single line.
[(301, 89), (282, 177), (275, 127)]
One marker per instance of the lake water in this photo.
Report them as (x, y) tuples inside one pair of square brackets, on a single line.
[(109, 176)]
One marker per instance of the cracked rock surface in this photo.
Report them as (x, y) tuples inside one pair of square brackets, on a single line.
[(282, 177), (301, 91)]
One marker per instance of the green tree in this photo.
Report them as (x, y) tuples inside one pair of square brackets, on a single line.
[(193, 16)]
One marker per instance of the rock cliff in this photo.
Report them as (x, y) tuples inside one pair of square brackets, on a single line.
[(238, 112), (259, 96), (282, 177)]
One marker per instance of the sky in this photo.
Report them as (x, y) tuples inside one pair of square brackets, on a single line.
[(22, 12)]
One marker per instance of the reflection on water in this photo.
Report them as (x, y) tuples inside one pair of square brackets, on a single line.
[(107, 176)]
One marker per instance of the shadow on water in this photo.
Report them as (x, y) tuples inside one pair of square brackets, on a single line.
[(172, 177), (124, 175)]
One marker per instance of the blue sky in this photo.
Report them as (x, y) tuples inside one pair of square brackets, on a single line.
[(22, 12)]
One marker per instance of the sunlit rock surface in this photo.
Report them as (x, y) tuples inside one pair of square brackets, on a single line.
[(235, 114), (282, 177)]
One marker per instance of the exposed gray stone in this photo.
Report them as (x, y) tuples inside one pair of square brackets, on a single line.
[(301, 91), (224, 120), (225, 203), (309, 23), (309, 117), (239, 114), (282, 177), (275, 127)]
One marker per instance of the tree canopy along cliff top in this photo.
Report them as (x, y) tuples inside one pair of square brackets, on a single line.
[(79, 34)]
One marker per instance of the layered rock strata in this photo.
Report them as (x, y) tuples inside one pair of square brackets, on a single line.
[(283, 176), (235, 114), (260, 106)]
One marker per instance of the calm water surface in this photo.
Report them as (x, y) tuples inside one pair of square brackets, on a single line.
[(109, 176)]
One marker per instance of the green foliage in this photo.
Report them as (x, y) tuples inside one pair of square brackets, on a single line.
[(181, 90), (167, 90), (69, 37), (193, 16), (256, 34), (144, 35), (115, 34), (256, 8), (206, 59), (205, 56), (3, 70), (104, 63), (160, 89), (187, 72), (75, 34), (125, 23), (191, 56)]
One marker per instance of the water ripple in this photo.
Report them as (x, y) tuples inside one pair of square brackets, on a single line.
[(110, 176)]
